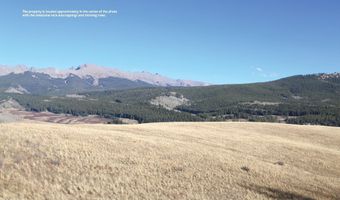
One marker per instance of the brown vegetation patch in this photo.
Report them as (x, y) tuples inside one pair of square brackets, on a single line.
[(59, 118), (169, 161)]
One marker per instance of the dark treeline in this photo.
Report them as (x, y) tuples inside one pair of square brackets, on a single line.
[(143, 113)]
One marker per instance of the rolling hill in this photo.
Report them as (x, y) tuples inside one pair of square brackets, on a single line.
[(169, 161)]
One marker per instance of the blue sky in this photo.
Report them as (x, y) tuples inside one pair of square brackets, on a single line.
[(217, 41)]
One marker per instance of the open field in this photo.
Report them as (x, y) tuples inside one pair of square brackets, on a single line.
[(169, 161), (12, 111), (21, 115)]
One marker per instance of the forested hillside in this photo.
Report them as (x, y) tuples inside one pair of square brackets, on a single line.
[(308, 99)]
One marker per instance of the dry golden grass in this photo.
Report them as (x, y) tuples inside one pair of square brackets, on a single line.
[(169, 161)]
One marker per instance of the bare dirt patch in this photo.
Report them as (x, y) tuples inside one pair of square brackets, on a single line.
[(171, 101), (12, 111), (17, 90), (9, 105)]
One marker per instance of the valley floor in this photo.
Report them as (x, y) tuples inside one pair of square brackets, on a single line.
[(226, 160), (16, 115)]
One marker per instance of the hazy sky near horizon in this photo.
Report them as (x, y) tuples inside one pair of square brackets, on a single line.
[(217, 41)]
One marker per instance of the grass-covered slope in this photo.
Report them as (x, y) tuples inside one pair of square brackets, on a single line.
[(169, 161)]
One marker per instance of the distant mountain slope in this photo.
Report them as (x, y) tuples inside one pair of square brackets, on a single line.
[(80, 79), (303, 99), (297, 99), (310, 89)]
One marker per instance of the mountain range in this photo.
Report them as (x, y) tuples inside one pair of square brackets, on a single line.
[(144, 97), (87, 77)]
